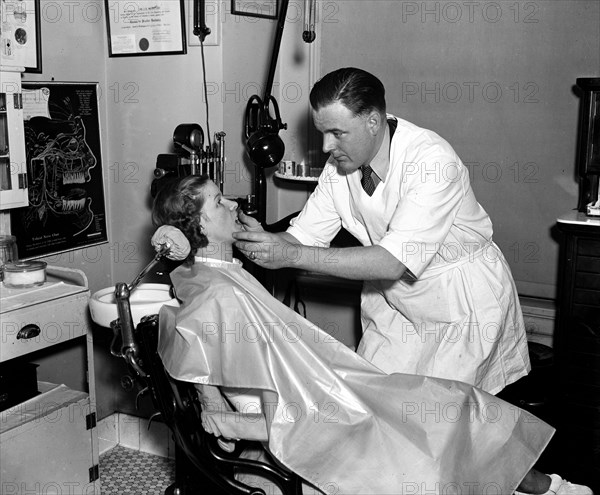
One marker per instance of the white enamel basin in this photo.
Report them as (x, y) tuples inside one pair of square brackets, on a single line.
[(146, 299)]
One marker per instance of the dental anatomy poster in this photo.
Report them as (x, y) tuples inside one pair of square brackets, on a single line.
[(64, 170)]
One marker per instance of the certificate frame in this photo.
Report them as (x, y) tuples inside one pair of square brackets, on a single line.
[(35, 63), (247, 7), (21, 35), (145, 27)]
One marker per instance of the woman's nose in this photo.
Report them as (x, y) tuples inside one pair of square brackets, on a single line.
[(233, 205)]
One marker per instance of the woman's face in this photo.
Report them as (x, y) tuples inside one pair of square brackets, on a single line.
[(219, 215)]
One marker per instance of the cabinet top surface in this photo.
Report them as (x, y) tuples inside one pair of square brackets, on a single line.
[(579, 218), (60, 282)]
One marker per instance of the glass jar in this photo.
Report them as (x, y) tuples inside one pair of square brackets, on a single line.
[(8, 251), (24, 274)]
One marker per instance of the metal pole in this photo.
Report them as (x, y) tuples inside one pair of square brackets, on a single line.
[(277, 43)]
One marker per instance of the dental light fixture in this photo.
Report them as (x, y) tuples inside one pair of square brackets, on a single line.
[(190, 137), (263, 144)]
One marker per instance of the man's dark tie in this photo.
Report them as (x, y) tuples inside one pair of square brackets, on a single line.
[(367, 182)]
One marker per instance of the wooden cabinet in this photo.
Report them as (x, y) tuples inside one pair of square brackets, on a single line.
[(49, 443), (13, 166), (577, 347)]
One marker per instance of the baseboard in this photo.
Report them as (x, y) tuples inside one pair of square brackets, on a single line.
[(132, 432), (540, 319)]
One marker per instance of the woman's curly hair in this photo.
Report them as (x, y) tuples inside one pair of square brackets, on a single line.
[(179, 204)]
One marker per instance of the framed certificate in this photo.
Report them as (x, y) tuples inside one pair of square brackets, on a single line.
[(21, 40), (145, 27)]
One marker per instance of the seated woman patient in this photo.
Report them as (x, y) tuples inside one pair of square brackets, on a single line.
[(321, 410)]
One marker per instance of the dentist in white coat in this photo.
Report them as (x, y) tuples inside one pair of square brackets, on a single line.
[(438, 297)]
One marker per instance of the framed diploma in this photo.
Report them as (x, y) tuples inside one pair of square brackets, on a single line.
[(267, 9), (21, 40), (145, 27)]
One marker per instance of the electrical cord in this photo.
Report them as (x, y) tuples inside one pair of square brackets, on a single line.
[(205, 92)]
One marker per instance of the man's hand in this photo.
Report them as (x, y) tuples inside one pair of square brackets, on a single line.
[(267, 250), (250, 224)]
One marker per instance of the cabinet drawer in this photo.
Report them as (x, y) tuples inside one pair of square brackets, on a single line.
[(588, 314), (583, 334), (589, 281), (54, 322), (588, 247), (585, 296), (588, 264)]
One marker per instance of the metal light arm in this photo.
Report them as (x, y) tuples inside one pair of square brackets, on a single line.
[(275, 54)]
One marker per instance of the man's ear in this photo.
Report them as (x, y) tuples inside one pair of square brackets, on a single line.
[(374, 121)]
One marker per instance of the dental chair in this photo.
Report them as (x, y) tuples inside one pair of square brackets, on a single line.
[(202, 466)]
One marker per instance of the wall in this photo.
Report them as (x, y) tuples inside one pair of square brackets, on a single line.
[(496, 80)]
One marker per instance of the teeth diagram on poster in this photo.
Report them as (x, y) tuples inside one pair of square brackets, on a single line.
[(66, 196)]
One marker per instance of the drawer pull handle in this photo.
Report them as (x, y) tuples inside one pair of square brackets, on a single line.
[(29, 332)]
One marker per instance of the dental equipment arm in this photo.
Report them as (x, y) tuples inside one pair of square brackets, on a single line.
[(169, 242), (124, 324), (163, 251)]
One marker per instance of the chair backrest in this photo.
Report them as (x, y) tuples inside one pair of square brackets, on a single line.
[(205, 464)]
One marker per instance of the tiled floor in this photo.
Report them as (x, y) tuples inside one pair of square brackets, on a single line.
[(125, 471)]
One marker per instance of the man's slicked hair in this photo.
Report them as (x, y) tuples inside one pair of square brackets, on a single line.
[(357, 89)]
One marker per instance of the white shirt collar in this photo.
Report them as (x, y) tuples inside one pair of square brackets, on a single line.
[(381, 161)]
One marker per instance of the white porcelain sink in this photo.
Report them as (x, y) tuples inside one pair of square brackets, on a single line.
[(146, 299)]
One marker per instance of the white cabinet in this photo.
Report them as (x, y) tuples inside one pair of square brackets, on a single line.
[(49, 448), (13, 165), (49, 443)]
